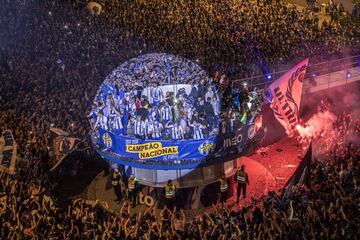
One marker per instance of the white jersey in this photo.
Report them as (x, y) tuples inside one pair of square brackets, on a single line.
[(190, 112), (156, 95), (132, 107), (184, 124), (102, 121), (157, 129), (198, 132), (112, 114), (166, 113), (155, 114), (232, 121), (117, 124), (139, 128), (148, 127), (177, 132), (216, 106), (118, 100), (105, 111)]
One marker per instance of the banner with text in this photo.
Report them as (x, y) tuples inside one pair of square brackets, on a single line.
[(178, 152)]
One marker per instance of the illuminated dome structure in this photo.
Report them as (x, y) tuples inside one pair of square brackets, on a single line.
[(160, 113)]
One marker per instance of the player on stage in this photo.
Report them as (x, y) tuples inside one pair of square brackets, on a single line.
[(101, 121), (125, 110), (117, 124), (156, 95), (177, 132), (154, 112), (149, 125), (197, 130), (139, 128), (166, 114), (157, 131)]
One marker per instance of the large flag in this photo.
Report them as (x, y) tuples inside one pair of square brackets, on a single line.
[(61, 145), (301, 174), (286, 93), (8, 152)]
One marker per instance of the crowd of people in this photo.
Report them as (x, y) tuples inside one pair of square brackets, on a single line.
[(327, 209), (154, 107), (53, 57), (260, 32)]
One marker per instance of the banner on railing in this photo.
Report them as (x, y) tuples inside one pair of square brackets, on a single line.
[(134, 148), (165, 152)]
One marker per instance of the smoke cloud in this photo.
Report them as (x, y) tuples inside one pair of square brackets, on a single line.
[(334, 126), (319, 123)]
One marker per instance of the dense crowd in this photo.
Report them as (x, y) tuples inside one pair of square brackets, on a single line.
[(55, 55), (240, 35), (328, 209), (53, 58), (157, 107)]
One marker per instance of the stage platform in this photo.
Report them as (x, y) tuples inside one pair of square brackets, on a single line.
[(268, 169)]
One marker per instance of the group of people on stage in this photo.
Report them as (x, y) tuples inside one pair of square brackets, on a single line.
[(204, 110)]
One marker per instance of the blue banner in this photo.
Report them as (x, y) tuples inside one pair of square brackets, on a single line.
[(183, 154), (147, 150)]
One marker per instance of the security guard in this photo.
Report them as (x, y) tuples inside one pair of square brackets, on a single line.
[(223, 189), (132, 187), (116, 183), (170, 194), (241, 177)]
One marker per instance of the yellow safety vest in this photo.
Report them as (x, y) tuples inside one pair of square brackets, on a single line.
[(131, 184), (170, 191), (115, 181), (241, 177), (223, 185)]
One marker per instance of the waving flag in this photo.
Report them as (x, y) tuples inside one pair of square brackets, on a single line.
[(286, 93), (61, 145), (301, 174), (8, 152)]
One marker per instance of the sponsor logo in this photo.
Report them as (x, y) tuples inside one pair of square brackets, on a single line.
[(206, 148), (230, 142), (151, 150), (107, 140)]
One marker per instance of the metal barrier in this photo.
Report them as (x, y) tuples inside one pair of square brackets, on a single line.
[(330, 73)]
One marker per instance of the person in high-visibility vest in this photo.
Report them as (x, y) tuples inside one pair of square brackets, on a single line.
[(170, 194), (223, 189), (242, 179), (132, 186), (115, 182)]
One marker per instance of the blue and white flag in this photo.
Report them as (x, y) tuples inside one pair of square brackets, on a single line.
[(61, 145), (8, 152)]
